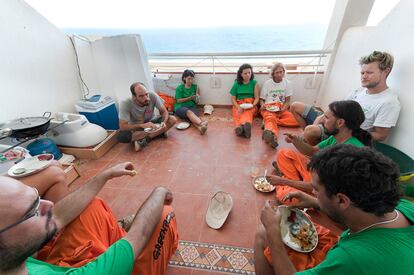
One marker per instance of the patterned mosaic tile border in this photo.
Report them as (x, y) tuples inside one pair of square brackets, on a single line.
[(214, 257)]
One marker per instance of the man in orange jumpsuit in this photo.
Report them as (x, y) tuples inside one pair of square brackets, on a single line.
[(342, 121), (89, 240), (358, 188)]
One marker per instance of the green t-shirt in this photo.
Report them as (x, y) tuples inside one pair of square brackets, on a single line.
[(331, 141), (241, 91), (375, 251), (117, 259), (183, 92)]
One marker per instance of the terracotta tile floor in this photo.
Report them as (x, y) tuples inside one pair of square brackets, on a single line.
[(194, 167)]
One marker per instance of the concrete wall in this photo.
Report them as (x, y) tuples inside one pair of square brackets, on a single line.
[(302, 86), (111, 64), (37, 64), (394, 34)]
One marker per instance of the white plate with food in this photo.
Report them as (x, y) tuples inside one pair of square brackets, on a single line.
[(30, 165), (182, 125), (261, 184), (298, 232), (272, 108), (246, 105), (150, 130)]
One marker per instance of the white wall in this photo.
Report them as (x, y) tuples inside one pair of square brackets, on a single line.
[(394, 34), (37, 64), (111, 64), (221, 96), (346, 14)]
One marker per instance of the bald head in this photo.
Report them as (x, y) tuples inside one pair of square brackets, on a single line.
[(13, 195), (137, 85), (140, 94), (26, 223)]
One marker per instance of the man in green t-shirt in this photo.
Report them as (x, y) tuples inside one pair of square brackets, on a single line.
[(357, 187), (89, 240), (342, 120)]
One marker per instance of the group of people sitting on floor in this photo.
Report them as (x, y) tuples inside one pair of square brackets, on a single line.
[(273, 99), (46, 229), (379, 103), (139, 123)]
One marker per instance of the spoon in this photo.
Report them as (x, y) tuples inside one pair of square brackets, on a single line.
[(265, 173)]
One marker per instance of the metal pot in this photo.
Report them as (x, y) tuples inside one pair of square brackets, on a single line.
[(26, 127)]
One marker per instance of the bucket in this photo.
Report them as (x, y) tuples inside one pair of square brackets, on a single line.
[(44, 146)]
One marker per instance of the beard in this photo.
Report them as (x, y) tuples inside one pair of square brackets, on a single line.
[(12, 257), (277, 80), (143, 104), (333, 215), (370, 85), (331, 132), (335, 218)]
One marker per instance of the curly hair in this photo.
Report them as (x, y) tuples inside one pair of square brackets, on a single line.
[(353, 115), (240, 70), (367, 177), (384, 59), (186, 74)]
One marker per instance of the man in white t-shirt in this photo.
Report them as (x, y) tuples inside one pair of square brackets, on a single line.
[(138, 122), (380, 104), (274, 100)]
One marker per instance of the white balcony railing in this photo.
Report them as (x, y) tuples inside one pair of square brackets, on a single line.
[(296, 61)]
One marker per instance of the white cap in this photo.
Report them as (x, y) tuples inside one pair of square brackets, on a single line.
[(218, 209), (208, 109)]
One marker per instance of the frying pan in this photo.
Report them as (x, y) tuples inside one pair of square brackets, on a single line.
[(25, 127)]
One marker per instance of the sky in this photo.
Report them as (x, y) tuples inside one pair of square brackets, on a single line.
[(181, 13)]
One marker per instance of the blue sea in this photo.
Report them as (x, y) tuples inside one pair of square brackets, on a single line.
[(223, 39)]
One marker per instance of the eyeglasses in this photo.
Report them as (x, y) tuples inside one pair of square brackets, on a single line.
[(33, 211)]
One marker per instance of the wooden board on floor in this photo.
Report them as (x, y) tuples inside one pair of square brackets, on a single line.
[(95, 152)]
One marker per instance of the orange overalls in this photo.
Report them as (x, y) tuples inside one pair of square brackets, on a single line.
[(247, 115), (274, 119), (293, 165), (90, 234), (302, 261)]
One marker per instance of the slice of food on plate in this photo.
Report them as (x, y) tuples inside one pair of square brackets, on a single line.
[(261, 184), (272, 108)]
